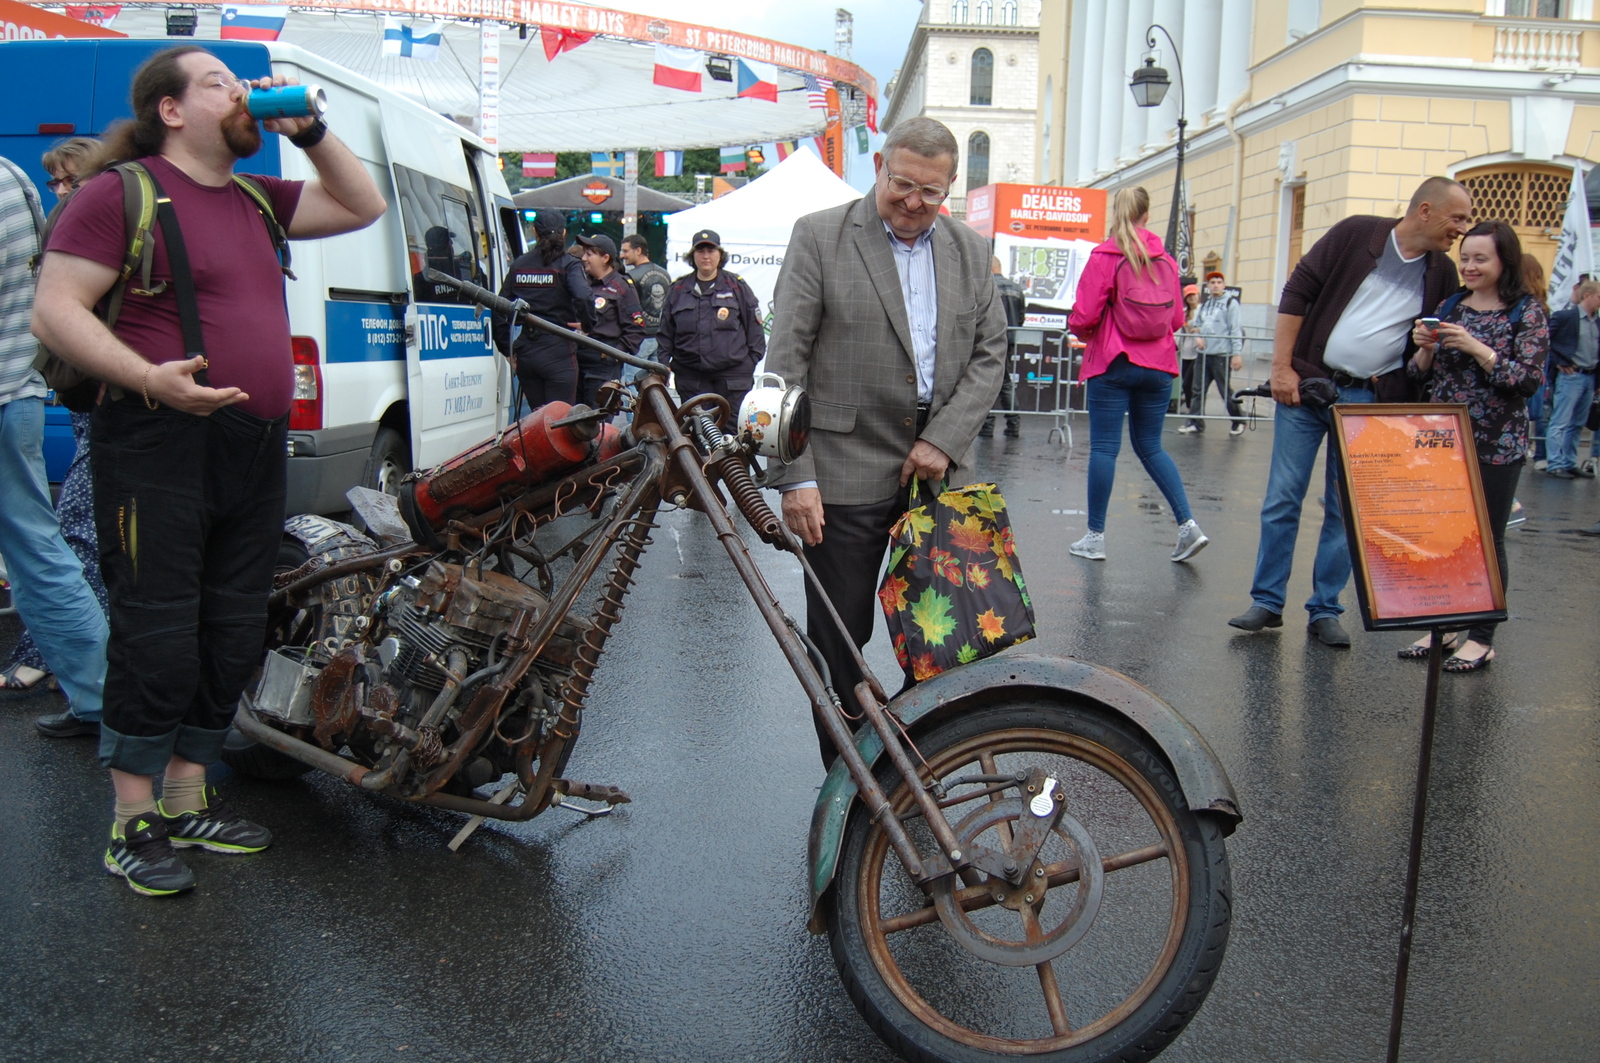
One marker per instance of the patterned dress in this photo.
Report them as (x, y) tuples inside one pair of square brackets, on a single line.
[(1496, 401)]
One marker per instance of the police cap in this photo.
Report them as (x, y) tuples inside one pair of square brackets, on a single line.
[(549, 220), (706, 237), (602, 243)]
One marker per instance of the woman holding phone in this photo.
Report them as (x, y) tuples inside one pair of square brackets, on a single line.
[(1486, 351)]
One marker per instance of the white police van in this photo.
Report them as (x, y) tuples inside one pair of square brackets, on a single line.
[(390, 370)]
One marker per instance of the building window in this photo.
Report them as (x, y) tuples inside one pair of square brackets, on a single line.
[(977, 160), (1297, 226), (1535, 9), (958, 11), (1532, 198), (982, 78), (1008, 12), (985, 11)]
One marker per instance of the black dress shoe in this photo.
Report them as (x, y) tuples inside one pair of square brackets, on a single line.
[(65, 725), (1561, 474), (1255, 618), (1329, 632)]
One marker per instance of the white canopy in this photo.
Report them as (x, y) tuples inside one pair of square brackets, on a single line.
[(754, 222)]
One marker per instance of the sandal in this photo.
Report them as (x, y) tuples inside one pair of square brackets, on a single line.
[(12, 684), (1418, 651), (1459, 664)]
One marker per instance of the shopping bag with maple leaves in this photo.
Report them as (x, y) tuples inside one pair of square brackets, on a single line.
[(954, 591)]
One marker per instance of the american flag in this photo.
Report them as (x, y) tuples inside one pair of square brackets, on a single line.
[(817, 91)]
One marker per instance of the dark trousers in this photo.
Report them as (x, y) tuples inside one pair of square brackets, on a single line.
[(1499, 491), (847, 563), (733, 389), (1199, 374), (548, 375), (189, 513), (591, 376)]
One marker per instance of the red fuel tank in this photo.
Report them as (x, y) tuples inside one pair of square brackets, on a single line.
[(524, 455)]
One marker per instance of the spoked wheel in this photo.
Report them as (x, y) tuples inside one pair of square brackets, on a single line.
[(1104, 951)]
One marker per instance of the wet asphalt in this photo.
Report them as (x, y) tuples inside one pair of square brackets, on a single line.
[(675, 929)]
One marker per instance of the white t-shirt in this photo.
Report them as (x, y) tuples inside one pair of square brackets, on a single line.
[(1370, 337)]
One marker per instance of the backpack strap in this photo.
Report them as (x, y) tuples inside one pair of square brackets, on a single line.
[(1454, 300), (194, 345), (138, 212), (280, 238)]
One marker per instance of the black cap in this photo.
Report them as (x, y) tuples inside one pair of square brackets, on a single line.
[(602, 243), (706, 236), (549, 220)]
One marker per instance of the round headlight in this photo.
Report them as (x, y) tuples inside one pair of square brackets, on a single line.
[(775, 420)]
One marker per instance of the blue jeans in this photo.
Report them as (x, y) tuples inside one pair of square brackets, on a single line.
[(47, 581), (647, 349), (1142, 394), (1574, 393), (1297, 434), (1538, 421)]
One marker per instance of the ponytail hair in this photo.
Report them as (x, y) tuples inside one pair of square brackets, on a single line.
[(1127, 207)]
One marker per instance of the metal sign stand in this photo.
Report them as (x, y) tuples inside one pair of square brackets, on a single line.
[(1419, 815)]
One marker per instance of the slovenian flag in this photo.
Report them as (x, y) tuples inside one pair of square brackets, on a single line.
[(252, 22), (678, 68), (757, 81), (733, 159), (669, 164), (538, 164), (413, 42)]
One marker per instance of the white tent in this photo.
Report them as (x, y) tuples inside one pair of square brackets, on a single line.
[(754, 222)]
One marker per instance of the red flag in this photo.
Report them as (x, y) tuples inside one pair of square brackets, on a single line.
[(872, 113), (538, 164), (557, 40)]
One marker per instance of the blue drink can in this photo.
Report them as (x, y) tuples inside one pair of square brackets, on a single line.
[(287, 101)]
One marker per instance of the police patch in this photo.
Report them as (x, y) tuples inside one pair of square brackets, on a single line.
[(534, 279), (638, 317), (599, 302), (722, 313)]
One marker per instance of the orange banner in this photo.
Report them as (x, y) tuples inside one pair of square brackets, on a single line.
[(1423, 546), (22, 22), (1038, 211)]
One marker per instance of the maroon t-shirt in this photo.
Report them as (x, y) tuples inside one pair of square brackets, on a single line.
[(238, 285)]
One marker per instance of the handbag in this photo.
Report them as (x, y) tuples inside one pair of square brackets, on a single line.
[(954, 591)]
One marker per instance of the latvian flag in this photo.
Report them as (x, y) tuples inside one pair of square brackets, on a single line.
[(252, 22), (538, 164), (733, 159), (758, 81), (669, 164), (817, 91), (678, 68)]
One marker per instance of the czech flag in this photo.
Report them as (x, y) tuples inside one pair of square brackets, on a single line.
[(538, 164), (757, 81), (669, 164), (252, 22), (678, 68), (733, 159)]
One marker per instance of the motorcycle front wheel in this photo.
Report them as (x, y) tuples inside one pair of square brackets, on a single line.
[(1107, 948)]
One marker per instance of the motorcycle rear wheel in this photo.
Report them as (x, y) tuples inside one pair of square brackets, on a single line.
[(1159, 914)]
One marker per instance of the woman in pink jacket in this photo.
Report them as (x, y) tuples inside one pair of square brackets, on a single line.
[(1128, 306)]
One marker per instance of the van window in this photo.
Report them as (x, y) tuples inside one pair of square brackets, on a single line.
[(443, 232)]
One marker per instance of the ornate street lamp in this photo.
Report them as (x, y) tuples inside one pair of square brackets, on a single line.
[(1149, 86)]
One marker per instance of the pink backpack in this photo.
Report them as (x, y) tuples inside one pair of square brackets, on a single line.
[(1142, 305)]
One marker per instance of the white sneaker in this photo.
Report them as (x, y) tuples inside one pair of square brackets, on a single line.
[(1092, 546), (1188, 428), (1191, 540), (1236, 430), (1541, 465)]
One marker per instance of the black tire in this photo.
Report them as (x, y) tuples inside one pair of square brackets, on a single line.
[(1149, 956), (389, 459)]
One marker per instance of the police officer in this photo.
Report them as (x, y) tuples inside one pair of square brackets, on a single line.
[(711, 328), (651, 282), (555, 287), (619, 320)]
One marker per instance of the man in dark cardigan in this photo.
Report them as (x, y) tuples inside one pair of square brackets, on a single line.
[(1346, 315)]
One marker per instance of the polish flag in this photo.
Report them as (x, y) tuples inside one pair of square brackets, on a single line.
[(758, 81), (679, 68), (252, 22)]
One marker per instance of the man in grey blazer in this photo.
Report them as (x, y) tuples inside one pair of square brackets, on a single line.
[(887, 315)]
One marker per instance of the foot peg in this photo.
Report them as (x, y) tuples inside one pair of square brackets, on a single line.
[(570, 788)]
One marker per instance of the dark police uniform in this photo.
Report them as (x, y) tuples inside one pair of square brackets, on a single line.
[(619, 321), (559, 292), (711, 336)]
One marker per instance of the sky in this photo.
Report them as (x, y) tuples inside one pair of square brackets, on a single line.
[(882, 32)]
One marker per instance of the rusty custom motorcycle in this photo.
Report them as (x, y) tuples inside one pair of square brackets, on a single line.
[(1022, 857)]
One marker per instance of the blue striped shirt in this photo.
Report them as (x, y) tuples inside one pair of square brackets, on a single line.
[(915, 266), (19, 243)]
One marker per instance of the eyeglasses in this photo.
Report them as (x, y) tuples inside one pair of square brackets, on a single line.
[(902, 187), (224, 81), (62, 184)]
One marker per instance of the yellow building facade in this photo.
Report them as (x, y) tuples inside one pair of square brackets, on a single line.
[(1302, 113)]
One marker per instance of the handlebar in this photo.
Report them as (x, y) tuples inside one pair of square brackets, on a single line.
[(500, 305)]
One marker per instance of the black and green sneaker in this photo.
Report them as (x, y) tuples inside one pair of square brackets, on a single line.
[(215, 827), (143, 855)]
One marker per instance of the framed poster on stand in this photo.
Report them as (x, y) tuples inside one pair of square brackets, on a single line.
[(1421, 545)]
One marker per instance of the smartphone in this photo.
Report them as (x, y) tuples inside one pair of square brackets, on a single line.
[(1431, 324)]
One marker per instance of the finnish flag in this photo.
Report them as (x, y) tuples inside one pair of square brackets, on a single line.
[(411, 41)]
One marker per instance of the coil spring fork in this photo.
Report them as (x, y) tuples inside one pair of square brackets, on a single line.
[(630, 548), (732, 470)]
